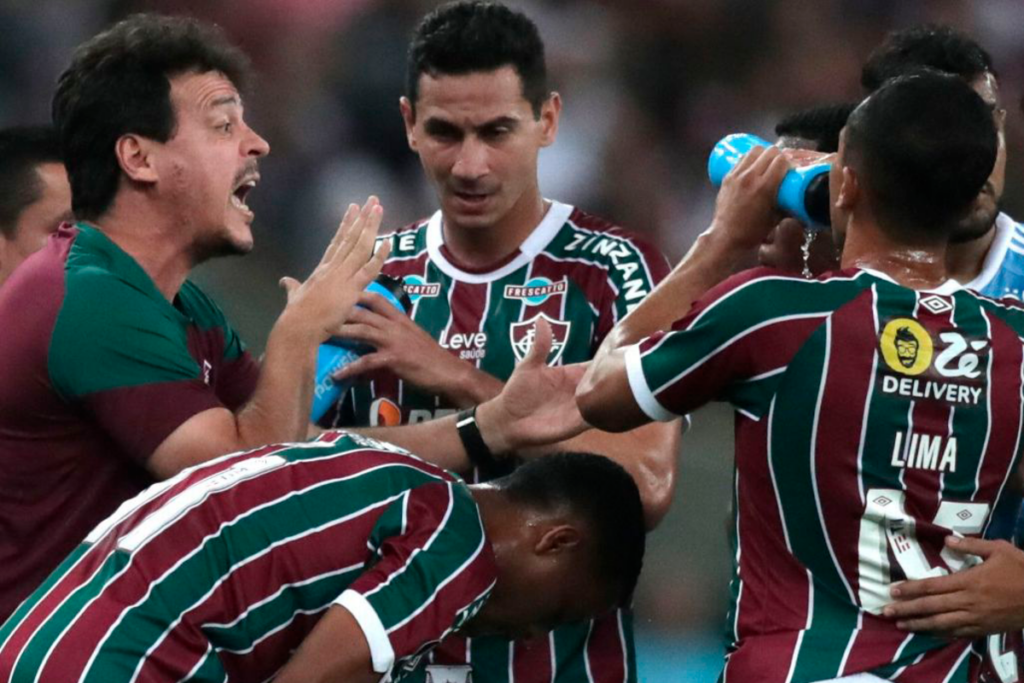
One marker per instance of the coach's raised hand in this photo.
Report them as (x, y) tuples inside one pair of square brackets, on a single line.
[(326, 299), (279, 408)]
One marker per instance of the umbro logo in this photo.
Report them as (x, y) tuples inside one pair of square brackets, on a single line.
[(936, 304)]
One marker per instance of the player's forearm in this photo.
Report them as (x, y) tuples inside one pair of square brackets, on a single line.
[(435, 441), (711, 259), (604, 396), (650, 454), (335, 651), (471, 386)]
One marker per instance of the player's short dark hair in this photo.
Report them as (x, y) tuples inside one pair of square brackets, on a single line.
[(934, 46), (924, 145), (469, 36), (118, 82), (605, 498), (818, 125), (22, 150)]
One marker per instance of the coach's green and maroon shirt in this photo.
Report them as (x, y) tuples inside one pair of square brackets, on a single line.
[(872, 420), (219, 573), (580, 273), (98, 369)]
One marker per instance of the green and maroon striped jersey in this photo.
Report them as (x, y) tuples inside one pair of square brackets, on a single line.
[(581, 273), (872, 421), (98, 369), (219, 573)]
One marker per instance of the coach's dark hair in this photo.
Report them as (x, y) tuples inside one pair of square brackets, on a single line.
[(923, 146), (118, 83), (934, 46), (602, 494), (22, 150), (818, 125), (473, 35)]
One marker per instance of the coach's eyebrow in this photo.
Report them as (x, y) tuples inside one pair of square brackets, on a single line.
[(226, 100)]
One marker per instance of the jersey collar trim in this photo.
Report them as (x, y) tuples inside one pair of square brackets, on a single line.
[(947, 288), (538, 240), (996, 253)]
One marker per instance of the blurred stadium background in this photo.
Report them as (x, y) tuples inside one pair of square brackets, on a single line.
[(648, 87)]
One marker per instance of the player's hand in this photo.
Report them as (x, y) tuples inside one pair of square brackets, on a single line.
[(537, 406), (985, 599), (325, 300), (403, 347), (745, 210)]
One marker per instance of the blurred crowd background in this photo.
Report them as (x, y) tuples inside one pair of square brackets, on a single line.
[(648, 87)]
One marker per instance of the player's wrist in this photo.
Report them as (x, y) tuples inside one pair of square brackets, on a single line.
[(492, 428)]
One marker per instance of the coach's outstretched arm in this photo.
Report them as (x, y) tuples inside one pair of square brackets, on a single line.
[(279, 408), (744, 214)]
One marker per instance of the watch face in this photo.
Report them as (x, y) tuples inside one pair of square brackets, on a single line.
[(449, 673)]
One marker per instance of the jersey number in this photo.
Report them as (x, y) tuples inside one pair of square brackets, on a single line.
[(886, 526)]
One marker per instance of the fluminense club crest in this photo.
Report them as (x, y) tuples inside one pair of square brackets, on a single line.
[(523, 333)]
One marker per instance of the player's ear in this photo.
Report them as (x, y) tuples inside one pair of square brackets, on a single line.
[(550, 113), (849, 189), (135, 157), (558, 539), (409, 118)]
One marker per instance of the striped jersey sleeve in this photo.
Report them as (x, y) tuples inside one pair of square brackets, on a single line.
[(734, 343), (434, 572)]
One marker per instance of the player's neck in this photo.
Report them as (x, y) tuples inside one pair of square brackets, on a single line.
[(965, 260), (152, 240), (497, 514), (481, 246), (913, 266)]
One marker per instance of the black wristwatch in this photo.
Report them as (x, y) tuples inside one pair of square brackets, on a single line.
[(469, 433)]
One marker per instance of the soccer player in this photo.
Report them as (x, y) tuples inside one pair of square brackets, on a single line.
[(35, 198), (878, 408), (982, 254), (496, 258), (117, 370), (358, 554)]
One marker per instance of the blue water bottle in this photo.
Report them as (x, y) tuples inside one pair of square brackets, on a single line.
[(803, 193), (336, 353)]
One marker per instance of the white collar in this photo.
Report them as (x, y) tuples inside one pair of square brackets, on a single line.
[(541, 236), (996, 253), (947, 288)]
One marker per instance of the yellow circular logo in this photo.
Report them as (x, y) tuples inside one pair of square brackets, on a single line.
[(906, 346)]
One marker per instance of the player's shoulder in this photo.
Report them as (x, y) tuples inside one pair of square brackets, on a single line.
[(765, 277), (601, 237), (773, 291)]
